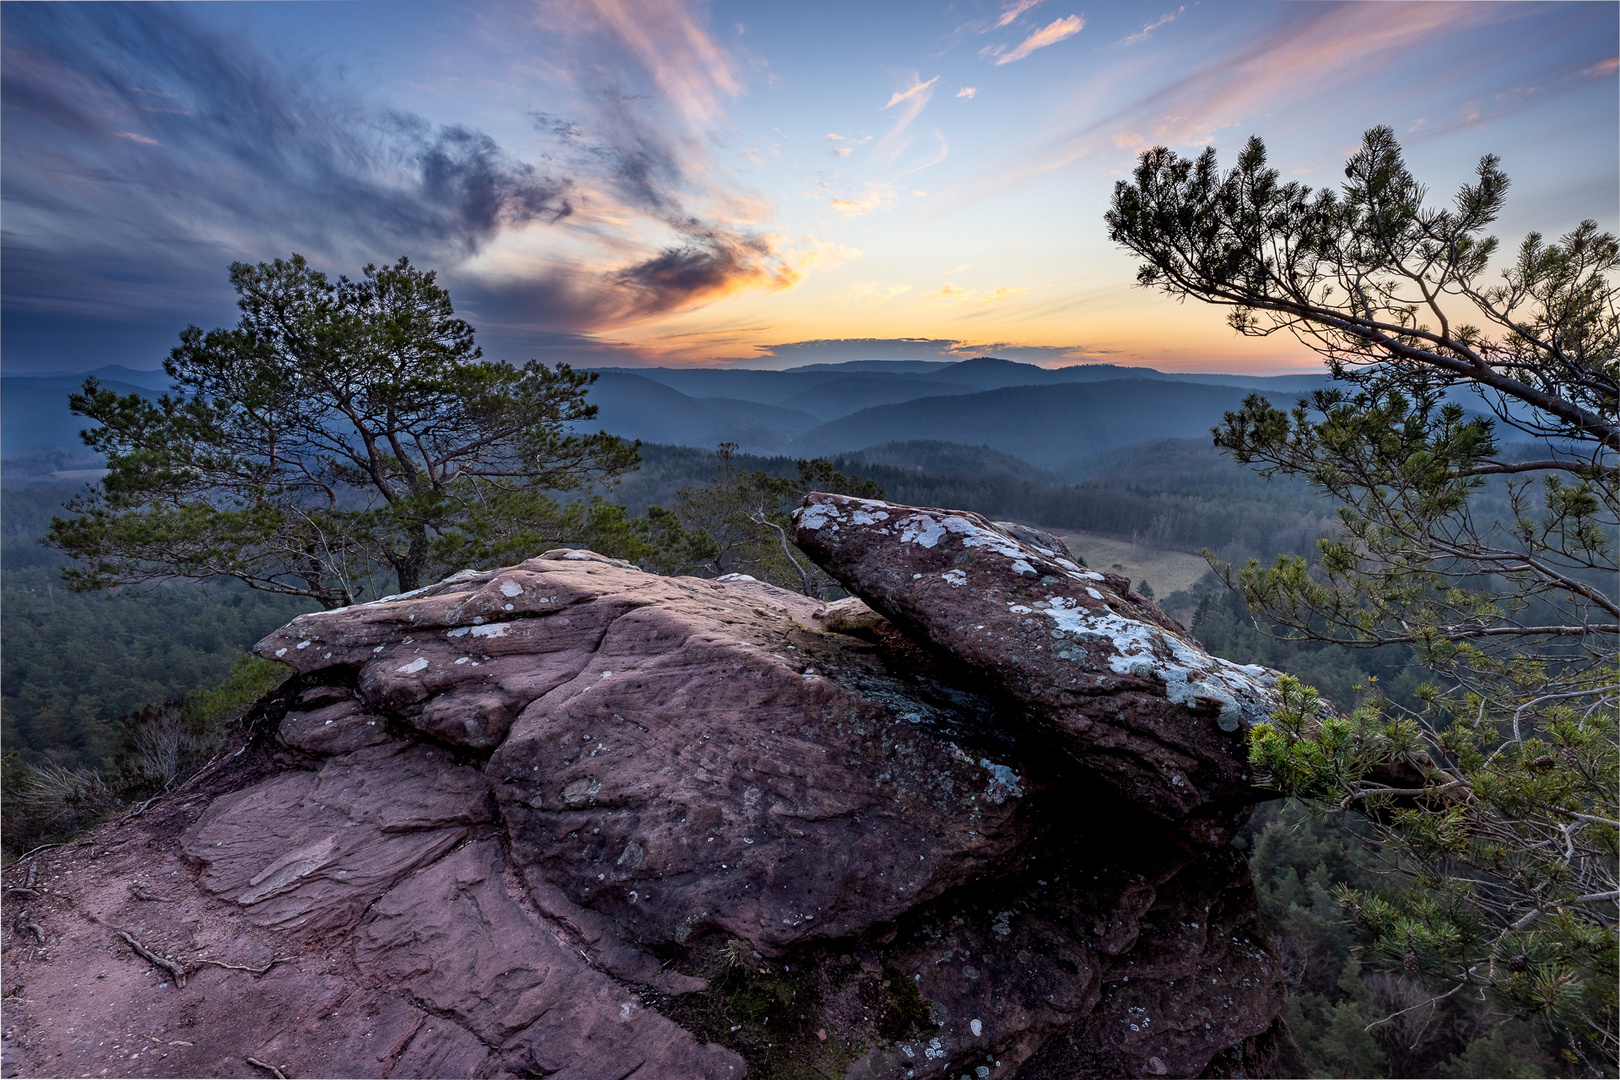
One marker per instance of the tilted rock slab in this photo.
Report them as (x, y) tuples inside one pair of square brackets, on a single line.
[(571, 819), (1116, 683)]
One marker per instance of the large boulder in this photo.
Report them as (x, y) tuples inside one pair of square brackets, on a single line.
[(569, 818), (1108, 677)]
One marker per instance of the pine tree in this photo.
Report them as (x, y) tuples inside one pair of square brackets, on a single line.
[(343, 433), (1497, 794)]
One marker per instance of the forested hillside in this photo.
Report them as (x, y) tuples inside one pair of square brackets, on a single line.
[(1172, 493), (75, 662)]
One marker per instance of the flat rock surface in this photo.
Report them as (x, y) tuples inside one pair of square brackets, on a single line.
[(571, 819)]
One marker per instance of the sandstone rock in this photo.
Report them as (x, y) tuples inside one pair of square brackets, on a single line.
[(848, 616), (455, 939), (568, 818), (709, 761), (336, 724), (1110, 678), (311, 851)]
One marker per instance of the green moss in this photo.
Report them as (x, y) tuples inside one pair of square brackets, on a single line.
[(904, 1010)]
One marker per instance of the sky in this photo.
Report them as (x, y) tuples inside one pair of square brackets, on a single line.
[(657, 182)]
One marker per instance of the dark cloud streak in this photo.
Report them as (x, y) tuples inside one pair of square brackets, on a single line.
[(145, 106), (144, 150), (644, 167)]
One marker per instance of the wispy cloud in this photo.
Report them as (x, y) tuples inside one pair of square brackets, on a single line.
[(968, 92), (694, 72), (1052, 33), (1162, 20), (1602, 68), (228, 153), (1001, 293), (867, 294), (942, 150), (239, 148), (917, 93), (912, 100), (877, 196), (951, 293), (843, 145), (1011, 11), (1316, 52)]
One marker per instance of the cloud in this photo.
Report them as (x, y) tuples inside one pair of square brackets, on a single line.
[(949, 350), (950, 293), (1044, 355), (711, 264), (694, 73), (713, 246), (968, 92), (912, 101), (1315, 55), (1602, 68), (1169, 131), (144, 151), (1011, 11), (941, 152), (1052, 33), (1002, 293), (917, 91), (237, 148), (813, 253), (843, 145), (1162, 20), (878, 196), (836, 350)]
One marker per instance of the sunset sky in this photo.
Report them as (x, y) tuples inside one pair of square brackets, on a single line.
[(649, 181)]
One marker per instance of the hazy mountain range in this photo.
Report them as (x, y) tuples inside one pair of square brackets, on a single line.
[(1050, 418)]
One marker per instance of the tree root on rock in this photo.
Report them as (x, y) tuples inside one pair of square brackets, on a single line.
[(139, 893), (240, 967), (173, 968)]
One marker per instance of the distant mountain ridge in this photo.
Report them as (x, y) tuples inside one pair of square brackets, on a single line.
[(146, 378), (1052, 426), (1051, 418), (978, 373), (34, 410)]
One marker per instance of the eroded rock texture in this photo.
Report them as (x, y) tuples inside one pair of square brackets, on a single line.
[(571, 819), (1110, 678)]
